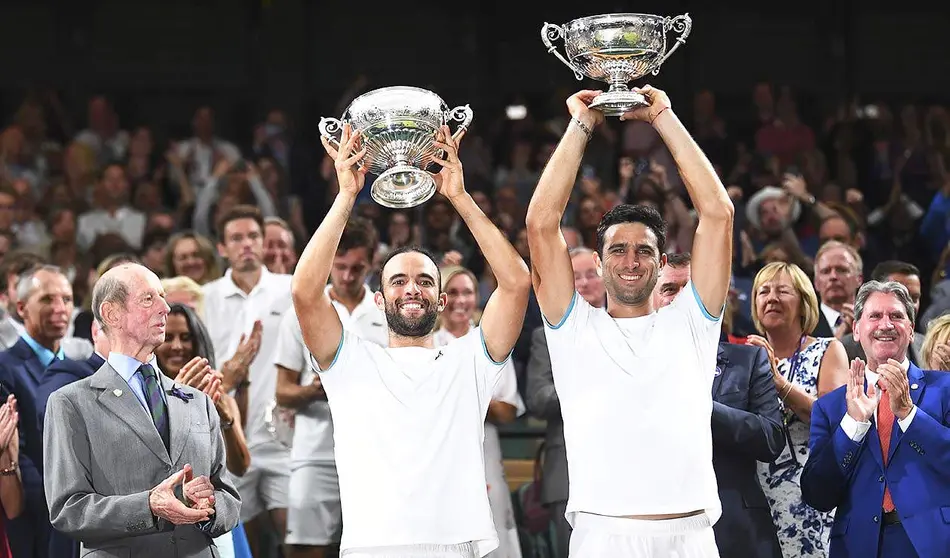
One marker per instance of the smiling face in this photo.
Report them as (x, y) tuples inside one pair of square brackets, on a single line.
[(461, 299), (48, 309), (630, 263), (778, 303), (410, 294), (187, 259), (178, 347), (884, 329)]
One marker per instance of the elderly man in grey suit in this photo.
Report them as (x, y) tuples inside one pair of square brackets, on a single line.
[(543, 403), (908, 275), (136, 463)]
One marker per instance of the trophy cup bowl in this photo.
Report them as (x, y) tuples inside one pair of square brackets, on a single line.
[(398, 125), (616, 49)]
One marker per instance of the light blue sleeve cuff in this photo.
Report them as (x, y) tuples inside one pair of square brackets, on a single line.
[(481, 334), (567, 313), (702, 306)]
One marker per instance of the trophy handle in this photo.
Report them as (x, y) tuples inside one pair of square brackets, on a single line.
[(682, 24), (463, 114), (551, 32), (328, 128)]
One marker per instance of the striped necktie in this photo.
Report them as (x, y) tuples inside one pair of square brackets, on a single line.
[(156, 403)]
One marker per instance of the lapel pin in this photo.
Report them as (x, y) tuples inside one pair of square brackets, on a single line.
[(117, 393), (913, 386), (181, 394)]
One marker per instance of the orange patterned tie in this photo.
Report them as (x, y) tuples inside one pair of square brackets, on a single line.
[(885, 423)]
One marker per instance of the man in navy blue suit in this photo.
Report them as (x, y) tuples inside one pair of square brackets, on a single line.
[(59, 374), (45, 302), (746, 428), (880, 445)]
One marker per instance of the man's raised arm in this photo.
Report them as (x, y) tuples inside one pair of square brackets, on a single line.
[(503, 317), (319, 322), (551, 273), (712, 244)]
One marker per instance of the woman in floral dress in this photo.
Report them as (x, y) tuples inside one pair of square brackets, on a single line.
[(785, 310)]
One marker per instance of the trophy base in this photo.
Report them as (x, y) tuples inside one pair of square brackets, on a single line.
[(403, 186), (616, 103)]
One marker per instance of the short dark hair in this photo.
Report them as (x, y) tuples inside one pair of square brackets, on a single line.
[(845, 214), (406, 250), (626, 213), (17, 263), (887, 268), (237, 212), (359, 232), (679, 261)]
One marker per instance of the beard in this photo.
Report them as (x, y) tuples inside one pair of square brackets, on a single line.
[(631, 296), (411, 327)]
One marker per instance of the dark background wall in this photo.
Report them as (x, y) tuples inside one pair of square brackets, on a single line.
[(160, 58)]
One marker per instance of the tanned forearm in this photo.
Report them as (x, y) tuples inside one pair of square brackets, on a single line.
[(550, 198), (319, 323), (291, 394), (511, 273), (315, 262), (707, 193)]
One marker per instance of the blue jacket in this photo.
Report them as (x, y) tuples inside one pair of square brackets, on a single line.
[(746, 428), (59, 374), (851, 476), (21, 372)]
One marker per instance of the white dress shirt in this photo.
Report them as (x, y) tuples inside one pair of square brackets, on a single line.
[(830, 314)]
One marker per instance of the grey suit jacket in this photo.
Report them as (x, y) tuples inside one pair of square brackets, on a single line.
[(855, 350), (104, 455), (543, 403)]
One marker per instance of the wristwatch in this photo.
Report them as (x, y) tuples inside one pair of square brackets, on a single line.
[(227, 425)]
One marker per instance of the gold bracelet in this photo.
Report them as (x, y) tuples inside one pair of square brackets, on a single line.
[(584, 128), (10, 471), (788, 390)]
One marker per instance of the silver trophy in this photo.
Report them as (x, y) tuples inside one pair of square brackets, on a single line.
[(398, 125), (616, 49)]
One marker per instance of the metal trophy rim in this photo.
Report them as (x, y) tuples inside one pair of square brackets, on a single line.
[(617, 15), (617, 103)]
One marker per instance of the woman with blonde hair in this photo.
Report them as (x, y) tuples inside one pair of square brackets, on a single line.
[(785, 311), (936, 346), (459, 317), (191, 255), (185, 290)]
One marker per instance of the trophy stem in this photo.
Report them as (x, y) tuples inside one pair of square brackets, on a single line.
[(618, 83)]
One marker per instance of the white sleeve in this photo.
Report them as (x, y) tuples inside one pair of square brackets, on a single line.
[(574, 319), (705, 326), (487, 371), (506, 390), (290, 351)]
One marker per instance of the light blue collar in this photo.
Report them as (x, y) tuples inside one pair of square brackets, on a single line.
[(45, 355), (127, 366)]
